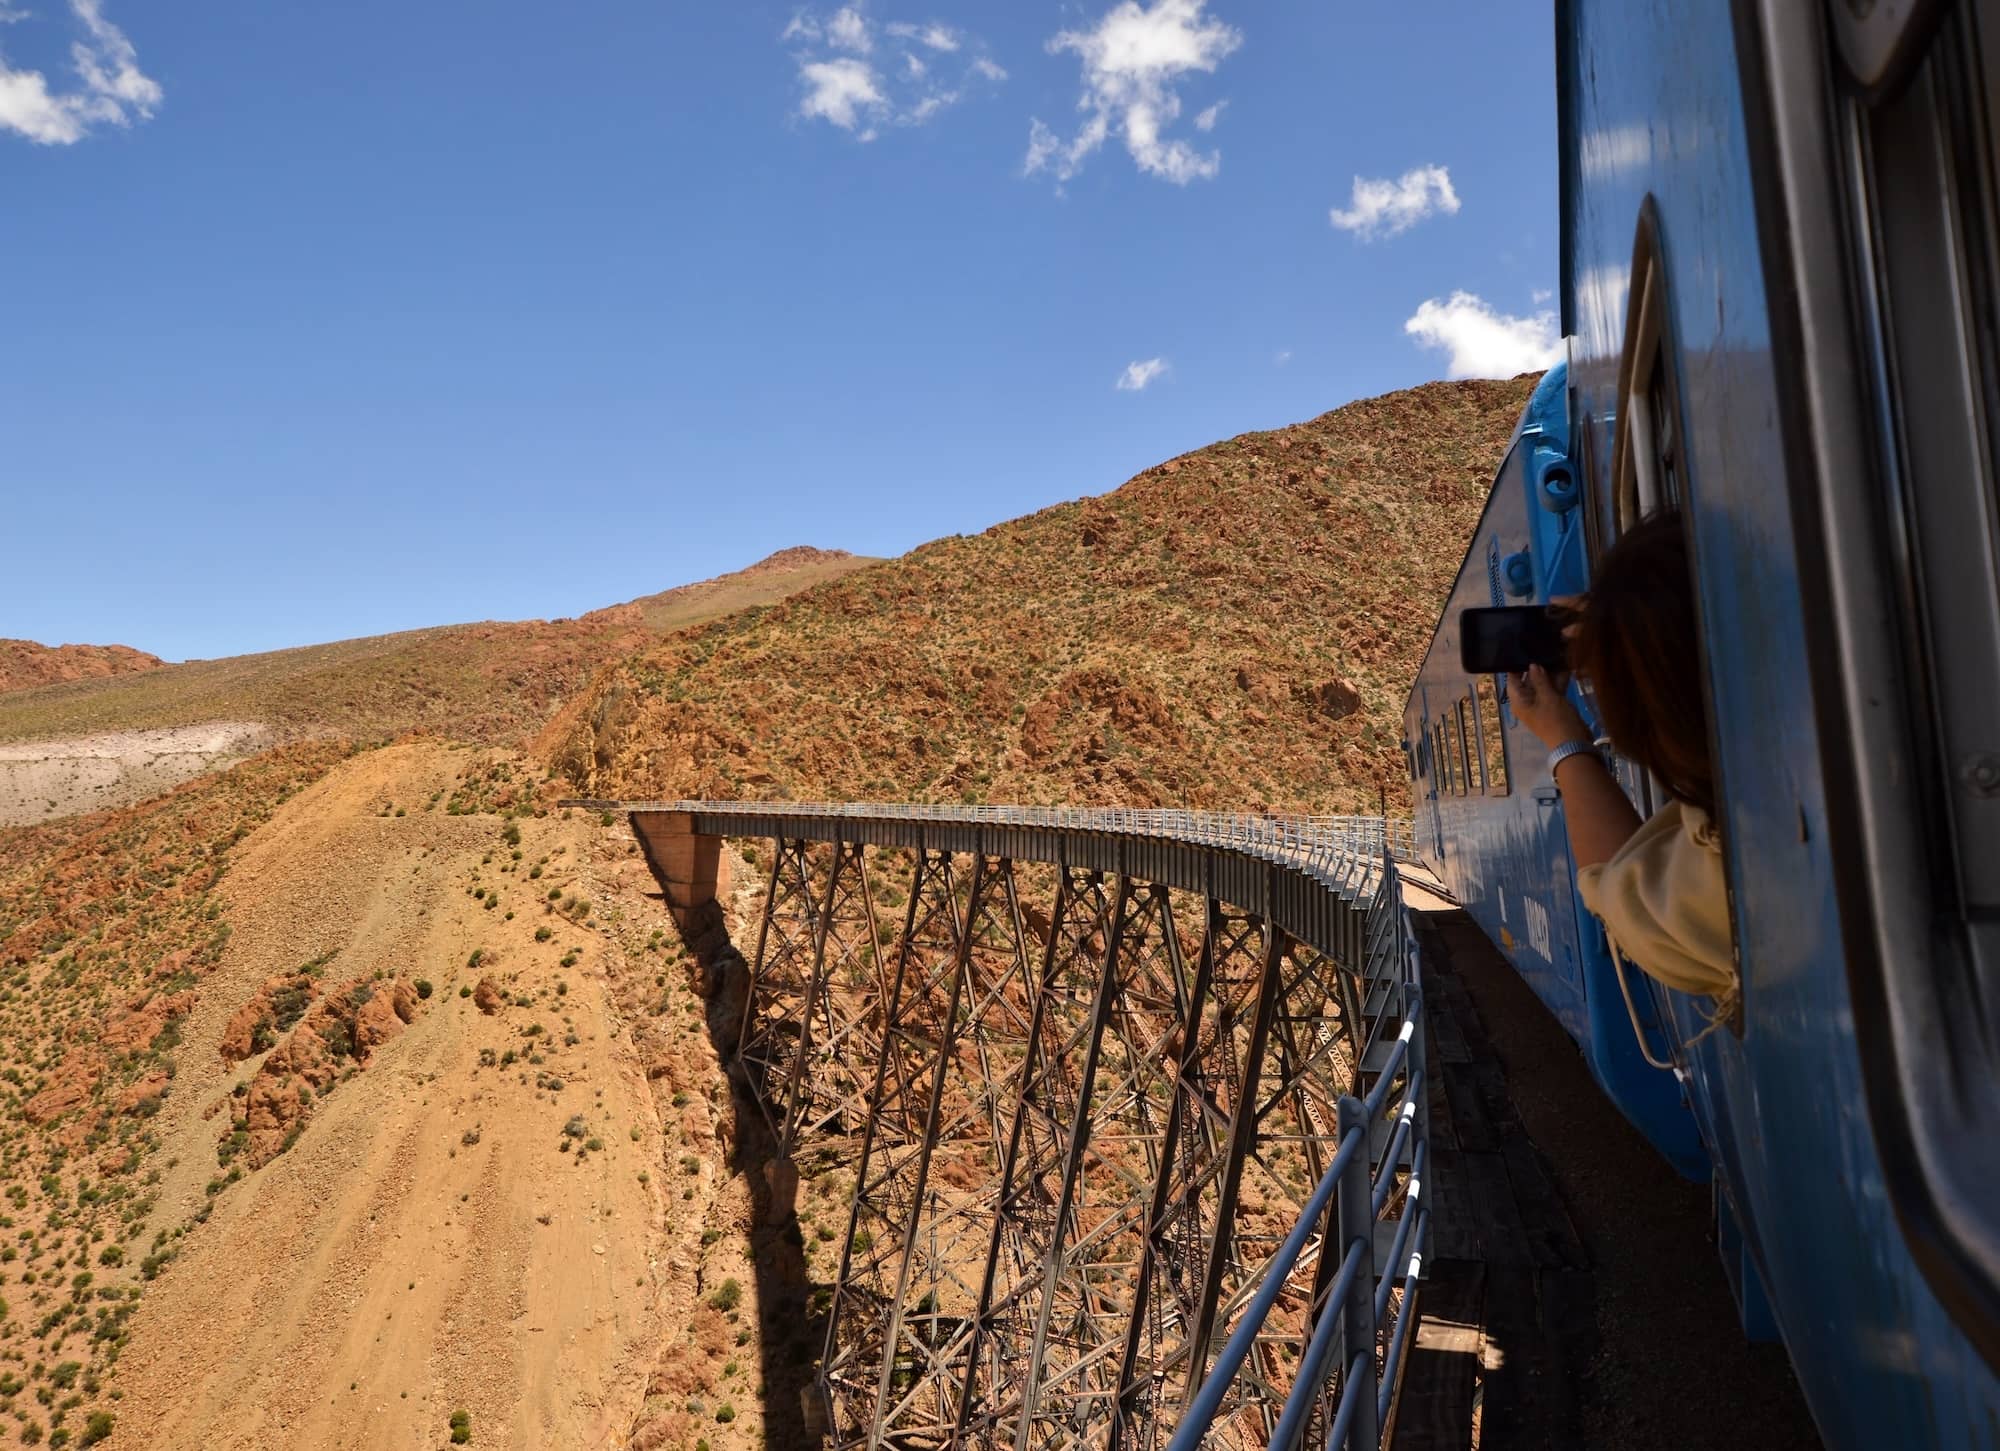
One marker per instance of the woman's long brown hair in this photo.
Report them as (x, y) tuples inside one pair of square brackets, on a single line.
[(1637, 640)]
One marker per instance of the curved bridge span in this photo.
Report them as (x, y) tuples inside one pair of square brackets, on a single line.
[(1126, 1108)]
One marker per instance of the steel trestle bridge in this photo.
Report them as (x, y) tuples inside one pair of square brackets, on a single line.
[(1132, 1103)]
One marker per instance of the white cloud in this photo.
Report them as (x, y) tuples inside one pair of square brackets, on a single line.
[(844, 92), (1540, 295), (114, 91), (1133, 61), (1382, 208), (1484, 343), (1137, 375), (1205, 120), (937, 37), (848, 31), (1284, 356), (844, 86)]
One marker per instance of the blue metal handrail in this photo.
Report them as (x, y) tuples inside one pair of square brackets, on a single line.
[(1357, 1302)]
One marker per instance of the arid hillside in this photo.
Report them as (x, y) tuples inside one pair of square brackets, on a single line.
[(346, 1091), (492, 683), (23, 663), (1235, 627)]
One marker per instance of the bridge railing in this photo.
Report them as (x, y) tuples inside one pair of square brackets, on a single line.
[(1324, 840), (1349, 1201)]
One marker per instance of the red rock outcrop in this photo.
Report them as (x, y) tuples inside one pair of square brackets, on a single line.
[(24, 664), (340, 1031), (70, 1086)]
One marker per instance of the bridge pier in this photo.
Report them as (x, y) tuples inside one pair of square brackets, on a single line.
[(689, 865), (693, 876)]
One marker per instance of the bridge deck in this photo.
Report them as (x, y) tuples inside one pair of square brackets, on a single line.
[(1573, 1297)]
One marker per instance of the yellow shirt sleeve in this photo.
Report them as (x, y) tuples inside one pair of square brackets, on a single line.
[(1664, 905)]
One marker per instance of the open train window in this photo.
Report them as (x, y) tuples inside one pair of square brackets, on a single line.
[(1649, 462), (1493, 743)]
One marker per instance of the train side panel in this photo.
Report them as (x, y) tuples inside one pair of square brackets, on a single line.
[(1654, 134)]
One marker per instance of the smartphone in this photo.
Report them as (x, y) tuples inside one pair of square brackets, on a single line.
[(1508, 639)]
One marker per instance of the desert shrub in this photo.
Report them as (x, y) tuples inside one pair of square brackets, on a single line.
[(728, 1295), (424, 987), (64, 1376), (512, 835), (338, 1037), (543, 934), (725, 1413), (461, 1427), (101, 1423)]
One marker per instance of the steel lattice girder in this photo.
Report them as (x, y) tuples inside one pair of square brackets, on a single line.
[(1069, 1175)]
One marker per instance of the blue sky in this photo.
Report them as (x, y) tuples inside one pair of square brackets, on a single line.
[(326, 320)]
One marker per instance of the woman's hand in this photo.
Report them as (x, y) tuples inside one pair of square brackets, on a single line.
[(1541, 705)]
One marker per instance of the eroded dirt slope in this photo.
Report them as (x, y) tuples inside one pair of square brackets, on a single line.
[(469, 1215)]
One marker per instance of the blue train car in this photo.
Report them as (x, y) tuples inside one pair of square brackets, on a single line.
[(1781, 290)]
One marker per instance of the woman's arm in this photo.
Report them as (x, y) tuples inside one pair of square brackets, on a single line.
[(1599, 816)]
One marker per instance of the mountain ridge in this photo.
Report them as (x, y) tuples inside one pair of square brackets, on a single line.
[(1235, 627)]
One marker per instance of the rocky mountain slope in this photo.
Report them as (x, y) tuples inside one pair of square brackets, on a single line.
[(1234, 628), (23, 663)]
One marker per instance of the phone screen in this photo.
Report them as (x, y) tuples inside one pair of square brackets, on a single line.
[(1508, 639)]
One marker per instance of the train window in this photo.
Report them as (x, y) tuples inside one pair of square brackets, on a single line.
[(1648, 466), (1467, 754), (1491, 739), (1448, 748)]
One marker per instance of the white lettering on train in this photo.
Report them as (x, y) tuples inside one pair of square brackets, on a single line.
[(1538, 926)]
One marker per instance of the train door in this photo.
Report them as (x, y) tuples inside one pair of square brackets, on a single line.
[(1884, 142)]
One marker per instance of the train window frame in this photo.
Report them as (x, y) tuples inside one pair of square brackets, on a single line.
[(1649, 401), (1487, 694), (1466, 754)]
